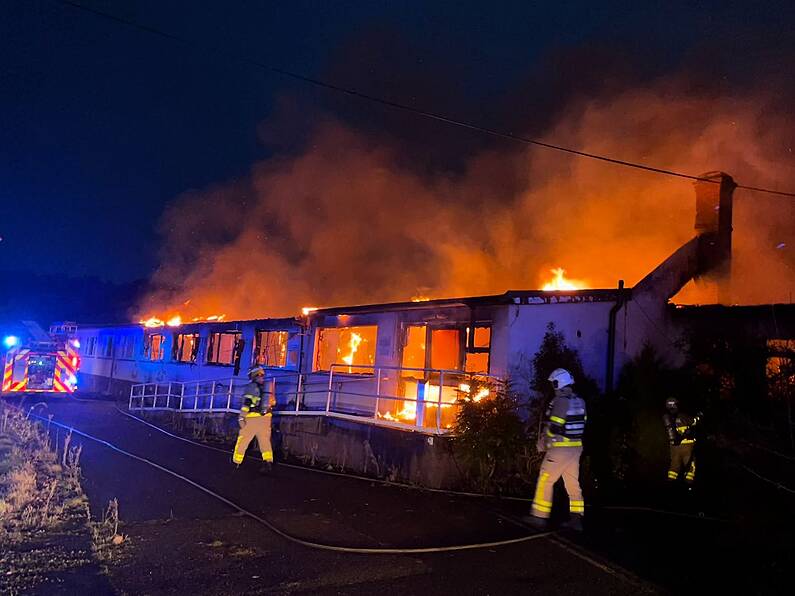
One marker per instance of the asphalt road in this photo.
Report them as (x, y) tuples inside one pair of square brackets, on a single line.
[(323, 509)]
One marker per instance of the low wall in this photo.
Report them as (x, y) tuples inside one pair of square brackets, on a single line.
[(117, 388), (334, 444), (360, 448)]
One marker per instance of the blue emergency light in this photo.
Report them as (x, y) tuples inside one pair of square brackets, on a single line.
[(10, 341)]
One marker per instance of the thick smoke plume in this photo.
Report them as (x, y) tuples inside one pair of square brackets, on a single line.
[(343, 223)]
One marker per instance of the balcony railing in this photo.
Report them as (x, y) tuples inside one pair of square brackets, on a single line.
[(416, 399)]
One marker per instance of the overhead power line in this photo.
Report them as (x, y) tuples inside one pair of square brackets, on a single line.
[(406, 108)]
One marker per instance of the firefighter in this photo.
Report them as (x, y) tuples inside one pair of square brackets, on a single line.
[(681, 430), (255, 420), (561, 439)]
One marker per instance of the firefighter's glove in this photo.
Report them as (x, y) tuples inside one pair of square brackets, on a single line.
[(241, 422)]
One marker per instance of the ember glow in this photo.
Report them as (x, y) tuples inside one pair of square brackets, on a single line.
[(307, 310), (560, 282)]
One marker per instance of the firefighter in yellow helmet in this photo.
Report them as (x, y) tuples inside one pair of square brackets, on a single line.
[(561, 439), (681, 431), (255, 420)]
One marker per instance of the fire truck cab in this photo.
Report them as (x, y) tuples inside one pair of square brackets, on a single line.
[(42, 362)]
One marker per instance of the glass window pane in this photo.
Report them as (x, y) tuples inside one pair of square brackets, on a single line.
[(414, 350), (482, 337), (446, 349), (477, 362)]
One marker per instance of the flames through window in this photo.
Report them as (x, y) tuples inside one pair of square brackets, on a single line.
[(185, 347), (153, 346), (353, 348), (429, 393), (270, 348)]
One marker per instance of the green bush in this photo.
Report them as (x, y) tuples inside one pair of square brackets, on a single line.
[(491, 440), (496, 437)]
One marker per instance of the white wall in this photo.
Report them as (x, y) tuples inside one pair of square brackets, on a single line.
[(583, 325)]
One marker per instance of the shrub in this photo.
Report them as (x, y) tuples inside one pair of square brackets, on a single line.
[(490, 438)]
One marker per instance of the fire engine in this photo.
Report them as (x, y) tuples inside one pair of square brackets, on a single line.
[(44, 362)]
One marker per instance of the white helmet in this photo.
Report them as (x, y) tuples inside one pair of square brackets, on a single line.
[(561, 378)]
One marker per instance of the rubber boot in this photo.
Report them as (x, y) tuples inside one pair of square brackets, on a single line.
[(265, 468), (537, 523), (574, 523)]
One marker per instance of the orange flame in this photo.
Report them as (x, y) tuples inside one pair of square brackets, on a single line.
[(466, 388), (353, 345), (176, 320), (152, 322), (560, 282)]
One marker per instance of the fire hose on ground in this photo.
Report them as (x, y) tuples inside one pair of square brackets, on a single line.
[(424, 489), (561, 542), (283, 534)]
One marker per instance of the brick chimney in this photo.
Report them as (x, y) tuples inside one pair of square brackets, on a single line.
[(714, 192)]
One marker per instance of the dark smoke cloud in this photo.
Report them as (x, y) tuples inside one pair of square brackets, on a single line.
[(351, 219)]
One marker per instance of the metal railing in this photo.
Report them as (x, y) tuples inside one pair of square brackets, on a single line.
[(418, 399), (219, 395)]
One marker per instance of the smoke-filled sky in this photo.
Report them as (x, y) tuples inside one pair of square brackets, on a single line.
[(251, 195)]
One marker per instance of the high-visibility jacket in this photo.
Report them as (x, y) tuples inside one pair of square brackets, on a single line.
[(565, 419), (681, 429), (255, 401)]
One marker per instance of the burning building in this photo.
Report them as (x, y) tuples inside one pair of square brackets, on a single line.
[(353, 375)]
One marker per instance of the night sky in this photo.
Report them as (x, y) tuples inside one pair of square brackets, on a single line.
[(103, 125)]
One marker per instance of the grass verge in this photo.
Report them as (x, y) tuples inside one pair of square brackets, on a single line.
[(48, 542)]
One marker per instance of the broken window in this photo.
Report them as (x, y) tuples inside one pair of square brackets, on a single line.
[(478, 347), (222, 347), (185, 347), (426, 382), (353, 348), (465, 349), (414, 350), (153, 346), (270, 348)]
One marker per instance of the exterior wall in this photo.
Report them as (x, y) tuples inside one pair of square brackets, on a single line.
[(516, 334), (116, 367), (583, 325)]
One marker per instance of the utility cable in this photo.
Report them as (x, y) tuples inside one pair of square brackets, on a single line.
[(429, 115)]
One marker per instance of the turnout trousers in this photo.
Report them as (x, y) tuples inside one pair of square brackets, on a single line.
[(255, 426), (682, 459), (559, 462)]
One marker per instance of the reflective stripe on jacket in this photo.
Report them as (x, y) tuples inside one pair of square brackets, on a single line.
[(565, 419), (255, 401), (681, 429)]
